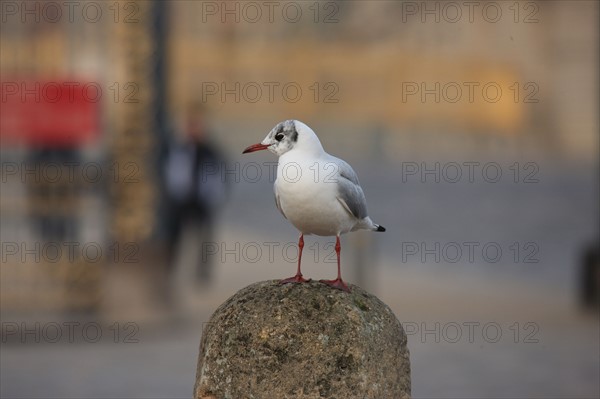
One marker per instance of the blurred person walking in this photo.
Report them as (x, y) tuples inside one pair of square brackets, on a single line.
[(196, 188)]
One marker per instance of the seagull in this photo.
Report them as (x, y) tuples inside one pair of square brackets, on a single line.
[(317, 192)]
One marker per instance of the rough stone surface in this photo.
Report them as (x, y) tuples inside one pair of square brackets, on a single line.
[(277, 341)]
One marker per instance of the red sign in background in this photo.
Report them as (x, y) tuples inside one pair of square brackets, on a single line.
[(49, 113)]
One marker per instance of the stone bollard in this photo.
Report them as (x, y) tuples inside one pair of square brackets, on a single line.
[(273, 341)]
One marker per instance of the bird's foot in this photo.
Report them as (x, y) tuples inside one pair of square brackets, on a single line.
[(337, 283), (296, 279)]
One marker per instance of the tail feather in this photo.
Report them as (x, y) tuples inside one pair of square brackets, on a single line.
[(367, 224)]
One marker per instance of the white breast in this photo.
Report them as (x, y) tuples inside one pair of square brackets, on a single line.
[(307, 192)]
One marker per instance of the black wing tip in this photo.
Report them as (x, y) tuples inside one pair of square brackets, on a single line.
[(380, 228)]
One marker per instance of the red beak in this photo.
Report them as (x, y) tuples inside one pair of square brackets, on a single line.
[(256, 147)]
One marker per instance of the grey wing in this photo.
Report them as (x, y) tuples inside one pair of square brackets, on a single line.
[(277, 201), (350, 194)]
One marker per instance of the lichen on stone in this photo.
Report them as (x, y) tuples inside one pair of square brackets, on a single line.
[(303, 341)]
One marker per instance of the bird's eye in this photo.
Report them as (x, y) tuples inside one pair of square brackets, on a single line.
[(279, 137)]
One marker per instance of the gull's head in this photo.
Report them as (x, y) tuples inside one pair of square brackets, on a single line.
[(286, 136)]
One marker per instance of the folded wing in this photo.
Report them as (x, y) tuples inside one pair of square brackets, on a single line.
[(350, 194)]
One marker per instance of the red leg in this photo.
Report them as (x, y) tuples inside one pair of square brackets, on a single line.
[(298, 277), (338, 282)]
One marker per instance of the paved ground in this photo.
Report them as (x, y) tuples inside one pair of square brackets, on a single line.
[(546, 346)]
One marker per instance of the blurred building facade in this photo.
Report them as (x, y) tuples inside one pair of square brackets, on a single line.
[(375, 55), (425, 79)]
